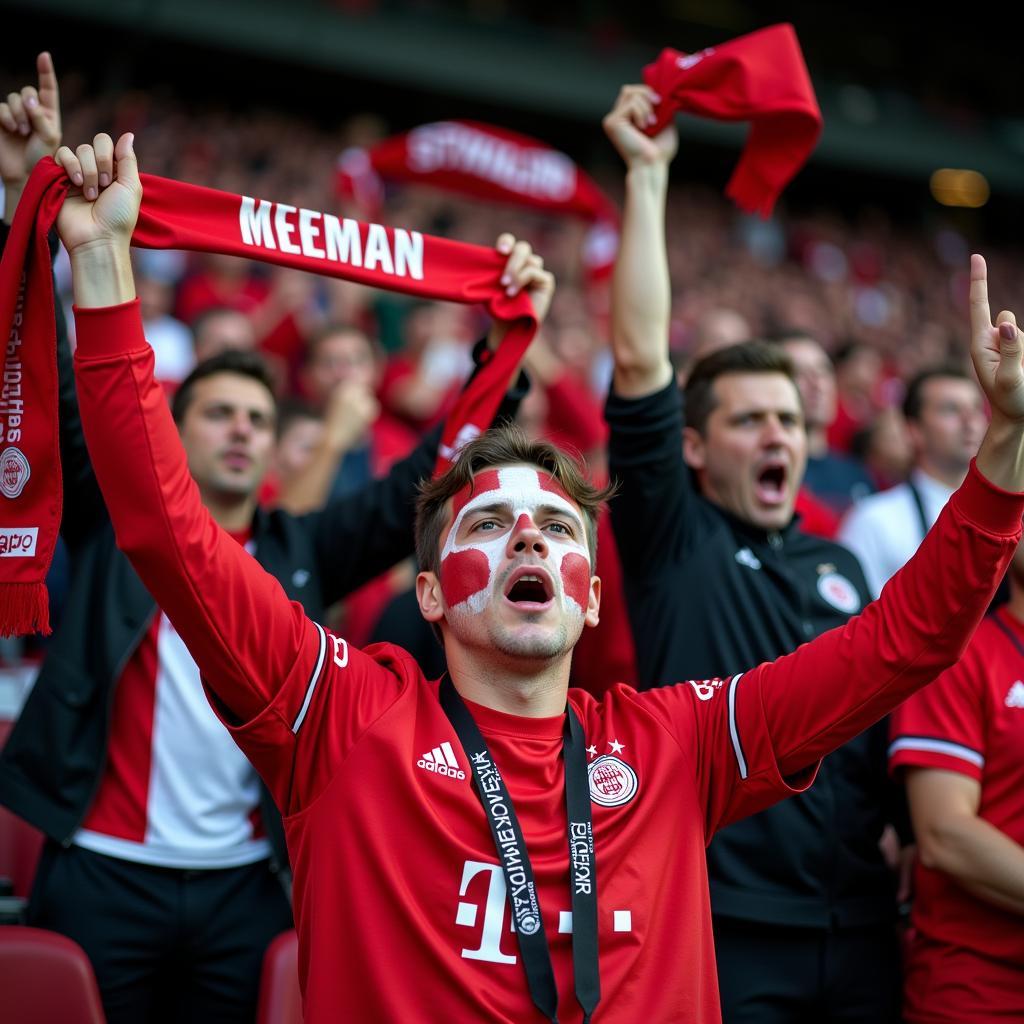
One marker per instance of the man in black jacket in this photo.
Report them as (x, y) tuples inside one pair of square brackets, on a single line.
[(163, 846), (717, 575)]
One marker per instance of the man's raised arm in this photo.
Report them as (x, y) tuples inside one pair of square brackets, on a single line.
[(641, 293), (244, 634), (829, 690)]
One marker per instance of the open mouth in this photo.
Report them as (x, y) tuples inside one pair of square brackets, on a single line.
[(528, 588), (771, 483), (237, 460)]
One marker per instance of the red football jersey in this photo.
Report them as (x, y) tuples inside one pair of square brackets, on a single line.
[(971, 721), (399, 897)]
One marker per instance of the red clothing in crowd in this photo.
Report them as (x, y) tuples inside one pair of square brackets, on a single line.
[(815, 516), (204, 291), (399, 897), (574, 419), (967, 963)]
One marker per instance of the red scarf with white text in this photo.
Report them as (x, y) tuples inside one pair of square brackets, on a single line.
[(761, 78), (487, 162), (175, 215)]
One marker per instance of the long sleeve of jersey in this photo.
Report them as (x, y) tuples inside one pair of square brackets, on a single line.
[(271, 669), (750, 733), (829, 690)]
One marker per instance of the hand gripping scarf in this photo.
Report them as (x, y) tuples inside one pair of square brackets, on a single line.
[(761, 78), (175, 215), (474, 159)]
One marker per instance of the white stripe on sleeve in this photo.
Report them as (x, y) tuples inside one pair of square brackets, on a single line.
[(311, 686), (929, 745), (741, 761)]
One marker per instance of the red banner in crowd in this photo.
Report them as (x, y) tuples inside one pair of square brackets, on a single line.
[(474, 159), (761, 78), (175, 215)]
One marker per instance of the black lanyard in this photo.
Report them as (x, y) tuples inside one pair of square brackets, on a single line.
[(510, 844)]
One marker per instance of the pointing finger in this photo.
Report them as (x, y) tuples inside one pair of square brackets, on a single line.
[(981, 315), (49, 92)]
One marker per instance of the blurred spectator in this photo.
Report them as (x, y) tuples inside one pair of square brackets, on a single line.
[(834, 479), (946, 421), (220, 329), (717, 329), (883, 448), (340, 376), (858, 377), (421, 382), (300, 432), (222, 281), (170, 338), (288, 316), (958, 744)]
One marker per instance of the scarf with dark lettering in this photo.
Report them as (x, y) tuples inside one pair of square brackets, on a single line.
[(486, 162), (761, 78), (179, 216)]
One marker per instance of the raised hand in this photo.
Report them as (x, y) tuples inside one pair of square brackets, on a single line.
[(625, 123), (103, 204), (996, 349), (525, 271), (351, 410), (29, 130)]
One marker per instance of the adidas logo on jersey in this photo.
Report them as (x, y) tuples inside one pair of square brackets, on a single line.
[(441, 761), (1015, 698)]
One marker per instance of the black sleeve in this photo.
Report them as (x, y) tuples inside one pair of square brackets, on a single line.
[(363, 534), (654, 512), (84, 509)]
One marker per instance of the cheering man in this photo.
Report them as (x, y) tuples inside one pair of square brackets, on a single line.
[(493, 847), (802, 900)]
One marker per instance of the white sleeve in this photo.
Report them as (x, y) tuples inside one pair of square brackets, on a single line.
[(863, 532)]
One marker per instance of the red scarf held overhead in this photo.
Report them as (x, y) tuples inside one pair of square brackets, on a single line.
[(179, 216), (761, 78), (482, 160)]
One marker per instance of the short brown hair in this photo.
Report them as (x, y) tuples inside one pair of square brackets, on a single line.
[(747, 357), (501, 446), (236, 361), (913, 400)]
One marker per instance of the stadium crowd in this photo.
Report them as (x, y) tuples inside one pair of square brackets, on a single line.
[(861, 375)]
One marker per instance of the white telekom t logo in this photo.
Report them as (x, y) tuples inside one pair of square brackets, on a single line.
[(494, 914)]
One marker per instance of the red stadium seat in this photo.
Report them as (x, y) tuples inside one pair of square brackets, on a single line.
[(280, 1001), (45, 978), (20, 843)]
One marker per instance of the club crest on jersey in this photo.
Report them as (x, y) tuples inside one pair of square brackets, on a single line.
[(612, 781), (14, 472), (839, 592)]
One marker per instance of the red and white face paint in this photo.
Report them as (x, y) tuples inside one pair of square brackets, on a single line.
[(527, 497)]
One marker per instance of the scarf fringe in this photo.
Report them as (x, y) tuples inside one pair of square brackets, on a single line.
[(24, 608)]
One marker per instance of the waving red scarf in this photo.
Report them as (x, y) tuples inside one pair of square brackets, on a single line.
[(482, 160), (179, 216), (761, 78)]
